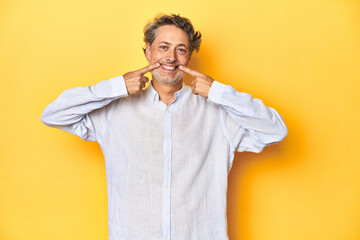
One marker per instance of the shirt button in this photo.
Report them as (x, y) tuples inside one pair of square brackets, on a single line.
[(167, 160), (168, 110), (167, 213), (167, 135), (167, 186)]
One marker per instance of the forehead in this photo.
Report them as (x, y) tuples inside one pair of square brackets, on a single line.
[(172, 35)]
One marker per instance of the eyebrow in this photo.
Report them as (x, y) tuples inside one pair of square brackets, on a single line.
[(178, 45)]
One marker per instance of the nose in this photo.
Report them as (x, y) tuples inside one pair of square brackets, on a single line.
[(171, 56)]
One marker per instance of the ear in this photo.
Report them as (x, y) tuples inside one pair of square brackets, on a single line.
[(148, 51)]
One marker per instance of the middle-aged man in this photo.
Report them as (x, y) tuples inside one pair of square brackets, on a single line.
[(168, 148)]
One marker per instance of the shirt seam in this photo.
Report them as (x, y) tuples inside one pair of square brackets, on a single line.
[(222, 121), (107, 122)]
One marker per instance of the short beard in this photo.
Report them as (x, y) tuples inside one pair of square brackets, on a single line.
[(178, 77)]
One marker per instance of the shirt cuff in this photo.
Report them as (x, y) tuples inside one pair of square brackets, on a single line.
[(216, 91), (118, 86)]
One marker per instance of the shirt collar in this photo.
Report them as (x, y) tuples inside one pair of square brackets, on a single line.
[(154, 95)]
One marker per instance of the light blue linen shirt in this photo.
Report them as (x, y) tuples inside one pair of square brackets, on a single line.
[(166, 166)]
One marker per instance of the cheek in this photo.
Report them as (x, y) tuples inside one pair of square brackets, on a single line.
[(183, 58), (184, 61), (155, 57)]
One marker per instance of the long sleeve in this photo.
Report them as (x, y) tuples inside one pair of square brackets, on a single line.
[(83, 111), (248, 124)]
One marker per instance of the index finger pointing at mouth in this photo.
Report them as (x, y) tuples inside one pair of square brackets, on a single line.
[(148, 68), (190, 71)]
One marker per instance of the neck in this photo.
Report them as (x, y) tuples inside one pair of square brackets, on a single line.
[(166, 92)]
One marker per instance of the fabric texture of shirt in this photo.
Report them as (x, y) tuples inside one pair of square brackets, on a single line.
[(166, 166)]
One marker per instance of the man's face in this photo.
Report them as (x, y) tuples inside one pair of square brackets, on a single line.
[(171, 49)]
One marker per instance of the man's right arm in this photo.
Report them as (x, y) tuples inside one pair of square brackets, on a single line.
[(71, 110)]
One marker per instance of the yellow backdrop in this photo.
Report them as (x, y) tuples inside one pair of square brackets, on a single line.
[(301, 57)]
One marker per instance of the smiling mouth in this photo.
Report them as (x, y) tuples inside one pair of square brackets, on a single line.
[(169, 67)]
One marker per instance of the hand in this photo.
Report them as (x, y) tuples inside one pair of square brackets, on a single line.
[(201, 83), (135, 81)]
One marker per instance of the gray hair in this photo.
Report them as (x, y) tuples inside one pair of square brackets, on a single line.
[(178, 21)]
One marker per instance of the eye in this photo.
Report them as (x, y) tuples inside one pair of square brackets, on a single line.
[(163, 47), (182, 50)]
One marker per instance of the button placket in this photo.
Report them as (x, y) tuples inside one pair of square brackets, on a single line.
[(167, 174)]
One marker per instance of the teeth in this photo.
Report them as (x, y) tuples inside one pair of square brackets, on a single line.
[(168, 67)]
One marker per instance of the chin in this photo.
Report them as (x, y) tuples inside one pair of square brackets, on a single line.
[(168, 80)]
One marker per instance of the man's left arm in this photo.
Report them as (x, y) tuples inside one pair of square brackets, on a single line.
[(249, 125)]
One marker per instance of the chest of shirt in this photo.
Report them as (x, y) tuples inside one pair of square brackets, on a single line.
[(139, 128)]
